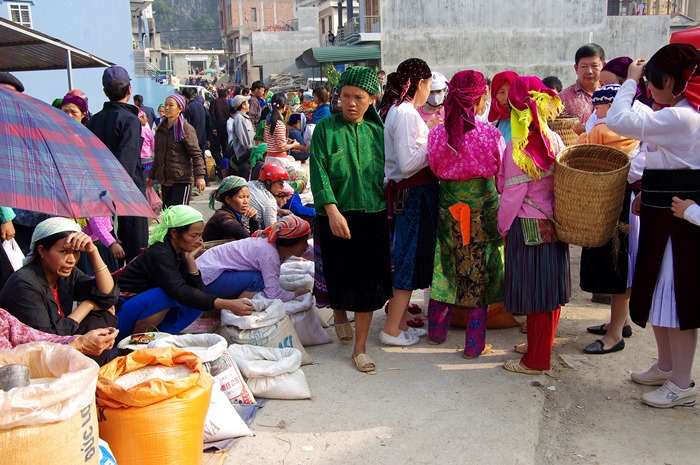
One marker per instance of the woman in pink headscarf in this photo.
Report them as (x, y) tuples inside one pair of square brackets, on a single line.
[(537, 277), (499, 113), (466, 154)]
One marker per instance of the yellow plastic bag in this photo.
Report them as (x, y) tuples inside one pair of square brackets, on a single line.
[(155, 422)]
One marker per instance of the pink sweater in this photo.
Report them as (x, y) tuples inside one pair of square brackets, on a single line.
[(481, 156), (539, 191), (99, 229), (13, 333)]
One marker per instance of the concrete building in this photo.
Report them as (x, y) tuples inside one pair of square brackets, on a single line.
[(537, 37), (274, 52), (330, 18), (105, 31), (183, 63), (237, 21)]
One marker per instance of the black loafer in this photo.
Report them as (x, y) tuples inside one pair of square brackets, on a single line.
[(597, 347), (601, 331)]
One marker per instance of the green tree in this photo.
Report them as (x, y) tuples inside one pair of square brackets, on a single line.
[(332, 75), (164, 14)]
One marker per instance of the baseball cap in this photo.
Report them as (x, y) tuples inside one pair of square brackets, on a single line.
[(115, 74), (239, 99)]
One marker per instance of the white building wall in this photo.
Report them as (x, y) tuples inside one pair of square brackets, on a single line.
[(530, 37)]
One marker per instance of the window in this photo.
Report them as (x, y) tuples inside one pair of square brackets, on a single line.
[(323, 26), (330, 23), (254, 14), (19, 13)]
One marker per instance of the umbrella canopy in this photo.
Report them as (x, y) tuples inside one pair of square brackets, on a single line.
[(688, 36), (50, 163)]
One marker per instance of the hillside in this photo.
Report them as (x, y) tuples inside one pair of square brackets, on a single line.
[(187, 23)]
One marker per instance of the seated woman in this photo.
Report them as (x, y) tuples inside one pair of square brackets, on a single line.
[(13, 333), (223, 267), (41, 293), (169, 290), (297, 126), (292, 202), (236, 218), (265, 190)]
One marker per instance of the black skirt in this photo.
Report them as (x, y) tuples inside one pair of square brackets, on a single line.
[(602, 270), (357, 270)]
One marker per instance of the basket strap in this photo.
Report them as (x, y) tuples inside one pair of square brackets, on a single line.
[(523, 178), (528, 201)]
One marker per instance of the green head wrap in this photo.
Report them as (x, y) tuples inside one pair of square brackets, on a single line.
[(360, 76), (174, 217), (227, 184), (269, 96), (257, 153), (57, 103)]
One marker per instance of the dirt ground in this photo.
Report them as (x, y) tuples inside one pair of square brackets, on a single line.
[(427, 405)]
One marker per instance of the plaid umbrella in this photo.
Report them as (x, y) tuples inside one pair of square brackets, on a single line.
[(50, 163)]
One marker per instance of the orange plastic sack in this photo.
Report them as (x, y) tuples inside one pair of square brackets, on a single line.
[(155, 422)]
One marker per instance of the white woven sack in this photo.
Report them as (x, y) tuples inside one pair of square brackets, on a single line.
[(272, 373), (223, 422), (266, 312), (208, 347), (294, 281)]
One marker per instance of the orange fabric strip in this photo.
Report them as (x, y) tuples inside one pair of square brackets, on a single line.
[(463, 214)]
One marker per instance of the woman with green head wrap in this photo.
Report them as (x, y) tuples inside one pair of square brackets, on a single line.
[(236, 219), (351, 233), (168, 287)]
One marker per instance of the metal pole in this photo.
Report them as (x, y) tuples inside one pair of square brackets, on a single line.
[(70, 69)]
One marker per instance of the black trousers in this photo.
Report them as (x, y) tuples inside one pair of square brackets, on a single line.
[(132, 232), (177, 194)]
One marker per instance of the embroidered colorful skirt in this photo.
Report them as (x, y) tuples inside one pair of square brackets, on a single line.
[(537, 277), (468, 275)]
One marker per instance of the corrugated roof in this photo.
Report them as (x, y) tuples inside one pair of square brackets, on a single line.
[(24, 49), (314, 57)]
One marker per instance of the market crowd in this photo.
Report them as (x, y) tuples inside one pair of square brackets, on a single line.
[(417, 182)]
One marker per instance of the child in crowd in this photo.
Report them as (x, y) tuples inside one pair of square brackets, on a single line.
[(297, 125), (308, 105), (147, 135)]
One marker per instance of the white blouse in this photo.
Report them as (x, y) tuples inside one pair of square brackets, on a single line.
[(672, 135), (405, 142)]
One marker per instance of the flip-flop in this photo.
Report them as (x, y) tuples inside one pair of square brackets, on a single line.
[(364, 363), (344, 332), (516, 367)]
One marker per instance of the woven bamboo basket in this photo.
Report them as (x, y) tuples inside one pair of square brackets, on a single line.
[(211, 168), (589, 189), (564, 127)]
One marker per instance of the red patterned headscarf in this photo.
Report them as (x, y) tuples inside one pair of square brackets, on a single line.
[(532, 104), (402, 85), (498, 111), (466, 88), (290, 227), (681, 61)]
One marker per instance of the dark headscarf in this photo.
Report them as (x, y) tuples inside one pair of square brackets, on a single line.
[(619, 67), (78, 102), (674, 57), (497, 111), (532, 104), (466, 88), (402, 85)]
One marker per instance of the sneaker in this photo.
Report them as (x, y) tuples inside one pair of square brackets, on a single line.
[(403, 339), (419, 332), (652, 377), (669, 395)]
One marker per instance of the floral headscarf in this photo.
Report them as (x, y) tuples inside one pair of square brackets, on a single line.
[(290, 227), (227, 184), (466, 88), (402, 85)]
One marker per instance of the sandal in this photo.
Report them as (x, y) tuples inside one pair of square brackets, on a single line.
[(344, 332), (416, 322), (487, 349), (364, 363), (414, 309), (516, 367), (521, 348)]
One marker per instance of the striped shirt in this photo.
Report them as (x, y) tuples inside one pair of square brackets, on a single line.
[(278, 139)]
